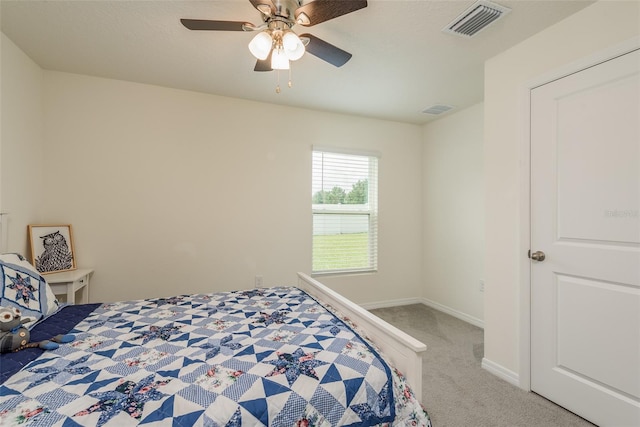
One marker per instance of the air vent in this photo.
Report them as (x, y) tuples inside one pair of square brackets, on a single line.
[(475, 19), (434, 110)]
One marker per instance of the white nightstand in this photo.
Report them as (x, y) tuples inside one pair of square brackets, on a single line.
[(68, 282)]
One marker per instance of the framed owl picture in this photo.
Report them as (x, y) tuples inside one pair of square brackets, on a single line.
[(52, 248)]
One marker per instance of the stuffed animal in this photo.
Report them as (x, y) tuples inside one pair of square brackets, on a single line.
[(15, 337)]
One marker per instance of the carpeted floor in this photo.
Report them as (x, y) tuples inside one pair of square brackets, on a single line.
[(457, 392)]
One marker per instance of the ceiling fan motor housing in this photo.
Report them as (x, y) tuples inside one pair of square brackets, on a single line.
[(278, 8)]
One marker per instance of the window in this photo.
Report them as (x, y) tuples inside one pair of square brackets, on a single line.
[(345, 211)]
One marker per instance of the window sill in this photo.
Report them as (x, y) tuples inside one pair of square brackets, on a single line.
[(344, 273)]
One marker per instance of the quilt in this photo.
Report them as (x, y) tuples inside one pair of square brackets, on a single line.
[(272, 357)]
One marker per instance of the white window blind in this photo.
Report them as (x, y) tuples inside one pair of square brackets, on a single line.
[(345, 211)]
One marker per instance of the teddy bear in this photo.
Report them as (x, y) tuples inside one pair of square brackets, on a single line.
[(15, 337)]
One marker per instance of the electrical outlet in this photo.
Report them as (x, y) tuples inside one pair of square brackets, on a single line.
[(258, 282), (481, 287)]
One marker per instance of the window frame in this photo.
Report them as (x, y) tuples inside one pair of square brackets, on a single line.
[(370, 209)]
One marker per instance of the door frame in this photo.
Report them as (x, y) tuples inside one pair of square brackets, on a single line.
[(524, 268)]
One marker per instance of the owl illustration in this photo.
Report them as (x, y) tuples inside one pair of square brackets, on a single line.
[(56, 255)]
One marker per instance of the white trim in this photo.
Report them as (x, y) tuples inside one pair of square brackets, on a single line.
[(614, 51), (435, 305), (501, 372), (524, 271), (588, 61), (391, 303), (453, 312)]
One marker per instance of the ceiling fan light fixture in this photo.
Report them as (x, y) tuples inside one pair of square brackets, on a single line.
[(275, 44), (279, 60), (293, 46), (260, 45)]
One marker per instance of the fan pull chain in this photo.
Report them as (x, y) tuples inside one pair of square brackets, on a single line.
[(289, 83)]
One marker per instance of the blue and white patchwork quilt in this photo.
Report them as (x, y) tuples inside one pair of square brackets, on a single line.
[(272, 357)]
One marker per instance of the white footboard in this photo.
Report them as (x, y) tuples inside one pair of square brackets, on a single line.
[(404, 351)]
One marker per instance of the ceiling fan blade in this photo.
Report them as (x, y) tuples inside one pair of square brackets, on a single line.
[(207, 25), (326, 51), (266, 7), (263, 64), (319, 11)]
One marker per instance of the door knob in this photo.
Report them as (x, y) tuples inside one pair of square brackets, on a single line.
[(538, 256)]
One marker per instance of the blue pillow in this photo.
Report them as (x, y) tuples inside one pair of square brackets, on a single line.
[(25, 288)]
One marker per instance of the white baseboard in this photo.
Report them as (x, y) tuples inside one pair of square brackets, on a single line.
[(455, 313), (501, 372), (440, 307), (494, 368), (392, 303)]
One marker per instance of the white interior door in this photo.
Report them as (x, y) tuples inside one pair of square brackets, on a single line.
[(585, 217)]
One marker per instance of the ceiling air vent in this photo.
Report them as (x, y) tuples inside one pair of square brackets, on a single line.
[(438, 109), (475, 19)]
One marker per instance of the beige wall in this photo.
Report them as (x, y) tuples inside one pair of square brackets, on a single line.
[(21, 145), (453, 206), (172, 191), (147, 174), (186, 192), (591, 30)]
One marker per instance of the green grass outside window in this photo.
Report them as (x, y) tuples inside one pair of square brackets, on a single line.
[(340, 251)]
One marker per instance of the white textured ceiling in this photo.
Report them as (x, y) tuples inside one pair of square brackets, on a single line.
[(402, 61)]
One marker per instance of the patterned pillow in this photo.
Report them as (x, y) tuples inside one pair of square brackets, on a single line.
[(23, 287)]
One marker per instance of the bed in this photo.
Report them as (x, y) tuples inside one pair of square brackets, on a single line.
[(283, 356)]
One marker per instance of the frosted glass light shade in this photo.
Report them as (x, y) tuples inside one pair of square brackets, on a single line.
[(293, 47), (260, 45), (279, 60)]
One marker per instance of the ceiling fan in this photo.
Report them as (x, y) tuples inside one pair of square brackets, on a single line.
[(276, 44)]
